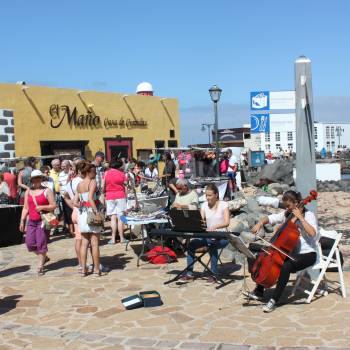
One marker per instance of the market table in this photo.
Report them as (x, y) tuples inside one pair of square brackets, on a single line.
[(132, 221), (10, 216)]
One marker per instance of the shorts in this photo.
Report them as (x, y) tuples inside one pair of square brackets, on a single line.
[(231, 175), (75, 214), (116, 206), (36, 237)]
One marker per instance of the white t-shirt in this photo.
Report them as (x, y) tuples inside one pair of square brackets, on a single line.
[(152, 174), (71, 187), (215, 216), (231, 163), (307, 243), (62, 180)]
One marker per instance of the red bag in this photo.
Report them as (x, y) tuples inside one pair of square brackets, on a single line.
[(161, 255), (224, 166)]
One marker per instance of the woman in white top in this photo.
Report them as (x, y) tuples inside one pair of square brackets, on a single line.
[(217, 217), (151, 171), (68, 197), (86, 199), (305, 252)]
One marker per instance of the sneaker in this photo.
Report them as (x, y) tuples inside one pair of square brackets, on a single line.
[(254, 295), (270, 306), (186, 278), (211, 280)]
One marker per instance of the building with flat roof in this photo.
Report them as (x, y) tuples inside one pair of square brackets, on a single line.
[(39, 120)]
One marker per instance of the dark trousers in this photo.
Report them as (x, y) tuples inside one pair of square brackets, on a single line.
[(301, 262)]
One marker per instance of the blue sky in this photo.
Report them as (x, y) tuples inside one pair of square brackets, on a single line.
[(182, 47)]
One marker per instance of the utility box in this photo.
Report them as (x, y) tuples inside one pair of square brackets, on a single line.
[(256, 159)]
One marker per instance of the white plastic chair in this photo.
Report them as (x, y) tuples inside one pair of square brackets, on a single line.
[(317, 272)]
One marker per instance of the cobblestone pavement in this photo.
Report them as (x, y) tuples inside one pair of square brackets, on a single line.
[(62, 310)]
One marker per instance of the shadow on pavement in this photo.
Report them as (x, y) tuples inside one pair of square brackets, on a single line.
[(60, 264), (9, 303), (115, 262), (14, 270)]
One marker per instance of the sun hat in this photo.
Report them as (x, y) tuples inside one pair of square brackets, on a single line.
[(36, 173)]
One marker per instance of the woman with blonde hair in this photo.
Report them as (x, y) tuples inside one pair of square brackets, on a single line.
[(86, 200)]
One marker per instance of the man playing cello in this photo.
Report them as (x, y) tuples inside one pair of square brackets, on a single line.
[(304, 255)]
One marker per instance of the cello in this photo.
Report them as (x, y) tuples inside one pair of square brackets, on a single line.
[(265, 270)]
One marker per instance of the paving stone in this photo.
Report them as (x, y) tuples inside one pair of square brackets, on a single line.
[(87, 309), (166, 344), (234, 347), (330, 348), (180, 317), (113, 340), (108, 312), (92, 337), (71, 335), (140, 342), (200, 346), (28, 303)]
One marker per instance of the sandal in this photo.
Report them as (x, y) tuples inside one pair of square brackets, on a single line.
[(47, 259), (111, 242), (97, 273), (83, 273), (40, 271)]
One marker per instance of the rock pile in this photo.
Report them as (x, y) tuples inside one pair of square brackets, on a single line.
[(333, 186), (280, 171), (243, 221)]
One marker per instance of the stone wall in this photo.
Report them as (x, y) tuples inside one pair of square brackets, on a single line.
[(7, 136)]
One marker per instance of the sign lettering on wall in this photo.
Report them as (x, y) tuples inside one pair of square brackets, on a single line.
[(62, 113)]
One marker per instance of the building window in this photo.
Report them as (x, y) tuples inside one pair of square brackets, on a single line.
[(290, 136), (316, 145), (267, 147), (172, 143), (172, 133), (290, 146), (267, 137), (333, 145), (278, 147), (159, 144), (328, 145), (327, 132), (332, 132), (278, 136), (315, 132)]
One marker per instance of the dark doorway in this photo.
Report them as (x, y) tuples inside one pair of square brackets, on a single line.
[(119, 151), (75, 148), (118, 147)]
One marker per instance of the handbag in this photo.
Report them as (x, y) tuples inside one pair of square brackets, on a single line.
[(49, 219), (94, 219)]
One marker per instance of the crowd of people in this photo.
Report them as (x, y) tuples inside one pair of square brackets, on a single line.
[(81, 194)]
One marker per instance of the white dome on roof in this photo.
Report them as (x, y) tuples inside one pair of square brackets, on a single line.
[(144, 87)]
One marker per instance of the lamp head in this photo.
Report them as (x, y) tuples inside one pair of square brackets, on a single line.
[(215, 93)]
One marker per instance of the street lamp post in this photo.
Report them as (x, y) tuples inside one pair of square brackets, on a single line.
[(208, 126), (339, 131), (215, 93)]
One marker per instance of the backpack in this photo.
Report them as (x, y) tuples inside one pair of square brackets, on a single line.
[(161, 255), (224, 166)]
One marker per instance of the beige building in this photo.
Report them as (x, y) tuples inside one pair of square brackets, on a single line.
[(50, 121)]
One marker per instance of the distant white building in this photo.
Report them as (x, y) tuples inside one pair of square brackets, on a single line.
[(329, 135)]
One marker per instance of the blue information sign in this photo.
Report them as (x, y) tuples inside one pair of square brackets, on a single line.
[(259, 123), (260, 100)]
